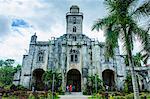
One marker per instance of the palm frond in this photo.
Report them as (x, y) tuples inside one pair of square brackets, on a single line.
[(127, 38), (144, 36), (145, 58), (100, 23), (142, 10), (110, 5), (111, 41)]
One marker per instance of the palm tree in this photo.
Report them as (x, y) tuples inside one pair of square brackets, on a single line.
[(47, 77), (91, 83), (137, 59), (122, 23)]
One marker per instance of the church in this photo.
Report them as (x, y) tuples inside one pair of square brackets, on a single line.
[(74, 55)]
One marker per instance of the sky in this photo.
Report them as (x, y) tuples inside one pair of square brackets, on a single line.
[(20, 19)]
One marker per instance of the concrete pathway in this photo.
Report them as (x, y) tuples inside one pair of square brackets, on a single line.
[(73, 95)]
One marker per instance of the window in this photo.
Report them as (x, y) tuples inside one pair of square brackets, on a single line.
[(74, 38), (74, 20), (40, 56), (74, 29), (74, 56), (71, 58)]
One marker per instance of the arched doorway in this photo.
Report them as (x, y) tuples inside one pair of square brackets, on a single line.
[(108, 78), (74, 79), (37, 79)]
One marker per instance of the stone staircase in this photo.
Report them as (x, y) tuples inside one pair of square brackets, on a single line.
[(73, 95)]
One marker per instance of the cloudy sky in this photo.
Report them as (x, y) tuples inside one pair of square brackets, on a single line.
[(20, 19)]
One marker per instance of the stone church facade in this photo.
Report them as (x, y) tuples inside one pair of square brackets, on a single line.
[(74, 55)]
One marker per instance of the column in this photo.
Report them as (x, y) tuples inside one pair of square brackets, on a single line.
[(85, 65), (63, 69)]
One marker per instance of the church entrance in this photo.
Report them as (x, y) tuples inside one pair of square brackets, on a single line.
[(37, 79), (74, 79), (108, 78)]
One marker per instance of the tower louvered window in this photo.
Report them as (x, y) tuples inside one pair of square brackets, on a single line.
[(74, 20), (74, 29)]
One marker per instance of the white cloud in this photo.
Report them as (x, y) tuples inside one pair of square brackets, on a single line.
[(14, 46), (4, 25)]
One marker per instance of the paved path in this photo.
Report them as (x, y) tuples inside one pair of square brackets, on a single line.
[(73, 97)]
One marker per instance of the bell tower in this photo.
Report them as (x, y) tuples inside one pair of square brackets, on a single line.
[(74, 20)]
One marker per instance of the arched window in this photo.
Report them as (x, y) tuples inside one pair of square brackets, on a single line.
[(74, 20), (74, 29), (74, 38), (74, 56), (40, 56)]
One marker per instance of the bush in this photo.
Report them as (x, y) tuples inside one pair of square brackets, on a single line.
[(60, 91), (20, 87), (143, 96), (148, 96), (96, 97), (85, 93), (119, 97), (130, 96)]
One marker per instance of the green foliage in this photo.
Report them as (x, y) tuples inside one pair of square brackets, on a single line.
[(130, 96), (91, 87), (17, 68), (50, 95), (95, 97), (128, 84), (148, 96), (31, 96), (7, 71), (142, 96), (2, 63), (20, 87), (119, 97), (48, 79), (7, 62), (60, 90), (137, 59)]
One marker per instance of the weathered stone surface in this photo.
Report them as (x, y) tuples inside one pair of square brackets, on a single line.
[(72, 50)]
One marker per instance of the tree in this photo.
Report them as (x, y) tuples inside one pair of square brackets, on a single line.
[(17, 68), (128, 84), (9, 62), (122, 23), (6, 75), (2, 62), (48, 79), (137, 59), (7, 71), (91, 84)]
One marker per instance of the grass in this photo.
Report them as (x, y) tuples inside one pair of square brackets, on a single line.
[(31, 96), (41, 97), (96, 97), (128, 96)]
